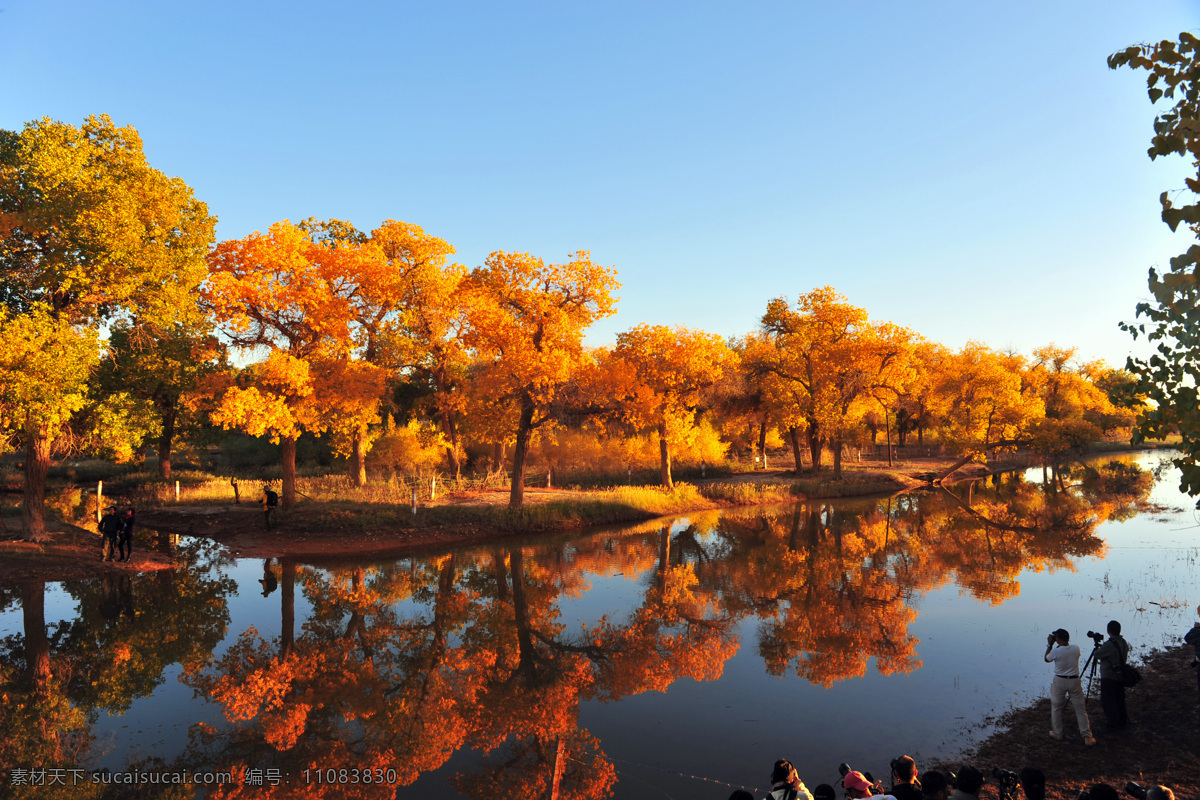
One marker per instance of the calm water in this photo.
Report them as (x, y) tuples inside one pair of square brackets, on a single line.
[(671, 659)]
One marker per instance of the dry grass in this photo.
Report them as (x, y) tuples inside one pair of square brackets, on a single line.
[(557, 511)]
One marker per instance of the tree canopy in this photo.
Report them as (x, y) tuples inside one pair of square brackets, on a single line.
[(1170, 378)]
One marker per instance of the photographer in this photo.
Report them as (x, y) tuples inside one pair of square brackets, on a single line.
[(1066, 684), (1112, 656), (970, 781), (786, 783), (935, 786), (1192, 637), (858, 787), (905, 785), (1033, 783)]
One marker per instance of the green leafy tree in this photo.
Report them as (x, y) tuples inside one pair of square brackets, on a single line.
[(1171, 376), (159, 366)]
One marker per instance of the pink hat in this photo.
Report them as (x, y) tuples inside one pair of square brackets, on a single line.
[(856, 781)]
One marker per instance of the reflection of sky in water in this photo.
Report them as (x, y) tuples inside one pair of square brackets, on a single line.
[(977, 659)]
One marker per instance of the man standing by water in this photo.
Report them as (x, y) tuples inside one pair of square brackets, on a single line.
[(110, 528), (1192, 637), (269, 501), (1066, 684), (1112, 655)]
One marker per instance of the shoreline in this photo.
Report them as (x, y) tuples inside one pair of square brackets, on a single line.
[(1160, 745), (338, 529)]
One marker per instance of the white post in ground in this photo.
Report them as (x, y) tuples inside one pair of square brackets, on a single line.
[(414, 502), (176, 491), (629, 474), (702, 465), (99, 499), (547, 477), (433, 488)]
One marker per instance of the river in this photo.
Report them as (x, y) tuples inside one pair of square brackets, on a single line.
[(677, 658)]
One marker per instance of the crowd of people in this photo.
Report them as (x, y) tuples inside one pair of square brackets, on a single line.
[(908, 784), (1109, 657)]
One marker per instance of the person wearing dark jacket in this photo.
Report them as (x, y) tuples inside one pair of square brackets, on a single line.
[(905, 785), (1192, 637), (110, 528), (1112, 656), (125, 536)]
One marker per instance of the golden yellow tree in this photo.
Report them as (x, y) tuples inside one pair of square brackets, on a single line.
[(669, 368), (526, 319), (830, 358), (89, 232), (44, 367), (987, 403), (423, 338), (293, 294)]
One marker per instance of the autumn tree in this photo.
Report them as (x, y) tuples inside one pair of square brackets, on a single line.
[(1077, 411), (668, 368), (89, 232), (526, 318), (920, 406), (161, 365), (987, 403), (830, 358), (1170, 377), (424, 340), (893, 372), (44, 367), (769, 390), (292, 294)]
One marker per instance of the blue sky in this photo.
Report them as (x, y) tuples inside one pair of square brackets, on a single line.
[(974, 171)]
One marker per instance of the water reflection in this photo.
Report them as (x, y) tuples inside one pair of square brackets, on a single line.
[(400, 666), (56, 679)]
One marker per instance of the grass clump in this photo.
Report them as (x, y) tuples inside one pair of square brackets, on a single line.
[(851, 486), (749, 494)]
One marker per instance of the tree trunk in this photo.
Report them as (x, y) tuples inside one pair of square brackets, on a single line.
[(451, 431), (837, 460), (166, 440), (664, 457), (288, 495), (559, 766), (888, 429), (287, 607), (762, 441), (814, 446), (920, 435), (498, 456), (33, 504), (526, 656), (516, 495), (37, 645), (794, 435), (664, 558), (358, 459)]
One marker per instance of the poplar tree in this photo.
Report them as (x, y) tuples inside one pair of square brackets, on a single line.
[(89, 233)]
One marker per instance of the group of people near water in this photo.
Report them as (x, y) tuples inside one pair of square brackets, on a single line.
[(116, 534), (933, 785)]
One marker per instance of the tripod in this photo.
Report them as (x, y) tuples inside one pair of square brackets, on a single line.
[(1094, 662)]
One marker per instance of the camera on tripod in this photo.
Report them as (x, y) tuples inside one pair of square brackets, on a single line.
[(1007, 782), (1096, 637)]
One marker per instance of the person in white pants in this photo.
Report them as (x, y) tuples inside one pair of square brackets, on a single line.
[(1066, 685)]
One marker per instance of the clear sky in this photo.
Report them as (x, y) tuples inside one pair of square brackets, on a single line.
[(974, 171)]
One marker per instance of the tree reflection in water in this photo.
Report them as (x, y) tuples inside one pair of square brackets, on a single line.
[(401, 666), (56, 679)]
